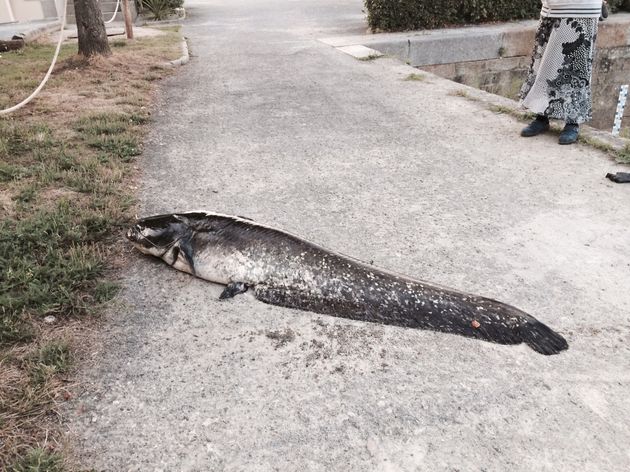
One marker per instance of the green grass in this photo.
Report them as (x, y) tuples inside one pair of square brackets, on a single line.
[(108, 123), (171, 28), (52, 266), (14, 329), (596, 143), (416, 77), (26, 69), (17, 140), (38, 460), (65, 166), (51, 359), (9, 172), (124, 147), (501, 109), (623, 155), (26, 194), (462, 93), (370, 57), (112, 133), (55, 355)]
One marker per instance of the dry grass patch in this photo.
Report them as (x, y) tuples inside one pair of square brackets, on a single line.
[(415, 78), (66, 165)]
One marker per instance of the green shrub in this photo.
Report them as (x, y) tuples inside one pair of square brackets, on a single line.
[(617, 5), (401, 15), (160, 9)]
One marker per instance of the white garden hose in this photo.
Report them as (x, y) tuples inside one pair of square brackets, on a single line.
[(114, 15), (50, 69)]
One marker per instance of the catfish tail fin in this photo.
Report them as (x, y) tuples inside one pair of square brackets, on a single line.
[(541, 338)]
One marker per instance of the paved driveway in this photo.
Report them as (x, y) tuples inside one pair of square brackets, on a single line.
[(269, 123)]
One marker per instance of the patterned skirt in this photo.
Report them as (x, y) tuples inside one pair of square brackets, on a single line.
[(558, 83)]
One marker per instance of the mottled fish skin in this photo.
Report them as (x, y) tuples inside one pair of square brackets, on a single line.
[(285, 270)]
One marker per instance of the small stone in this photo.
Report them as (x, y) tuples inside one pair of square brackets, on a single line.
[(475, 324), (50, 319), (372, 446)]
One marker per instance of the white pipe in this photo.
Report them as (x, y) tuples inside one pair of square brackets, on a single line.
[(114, 15), (10, 10), (50, 69)]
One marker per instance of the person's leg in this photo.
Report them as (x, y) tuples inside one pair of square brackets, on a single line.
[(571, 86), (533, 94)]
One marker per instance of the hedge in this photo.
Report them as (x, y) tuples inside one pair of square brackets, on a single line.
[(402, 15)]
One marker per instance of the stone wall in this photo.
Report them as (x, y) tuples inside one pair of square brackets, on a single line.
[(505, 76), (495, 58), (612, 69)]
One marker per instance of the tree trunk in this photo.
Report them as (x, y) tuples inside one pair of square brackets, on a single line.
[(91, 28)]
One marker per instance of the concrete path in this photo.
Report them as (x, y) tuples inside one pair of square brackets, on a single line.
[(29, 30), (270, 123)]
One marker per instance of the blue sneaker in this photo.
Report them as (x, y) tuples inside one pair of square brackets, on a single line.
[(569, 134), (536, 127)]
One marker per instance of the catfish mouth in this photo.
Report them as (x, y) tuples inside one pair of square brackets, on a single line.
[(145, 245), (133, 234)]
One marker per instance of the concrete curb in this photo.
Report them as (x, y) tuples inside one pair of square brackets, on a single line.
[(399, 47), (590, 136), (360, 52), (35, 33), (183, 59), (472, 43)]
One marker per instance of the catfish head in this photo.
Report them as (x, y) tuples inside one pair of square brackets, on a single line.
[(167, 237)]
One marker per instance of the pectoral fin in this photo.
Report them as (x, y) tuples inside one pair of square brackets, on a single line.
[(233, 289), (185, 252)]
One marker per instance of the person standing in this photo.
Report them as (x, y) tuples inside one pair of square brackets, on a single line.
[(558, 83)]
